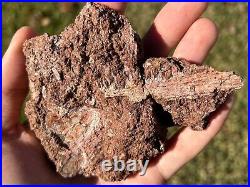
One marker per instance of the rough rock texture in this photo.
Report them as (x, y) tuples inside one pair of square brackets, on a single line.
[(87, 101), (91, 98), (187, 91)]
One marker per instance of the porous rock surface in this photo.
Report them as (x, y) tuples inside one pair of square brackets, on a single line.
[(92, 98), (187, 91)]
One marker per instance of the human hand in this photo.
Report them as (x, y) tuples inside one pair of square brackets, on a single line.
[(177, 24)]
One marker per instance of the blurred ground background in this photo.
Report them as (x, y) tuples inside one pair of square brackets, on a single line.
[(225, 159)]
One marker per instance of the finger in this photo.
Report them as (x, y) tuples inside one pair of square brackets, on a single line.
[(170, 25), (120, 7), (198, 41), (14, 79), (187, 143)]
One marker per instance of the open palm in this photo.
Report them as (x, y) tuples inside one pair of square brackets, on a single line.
[(179, 26)]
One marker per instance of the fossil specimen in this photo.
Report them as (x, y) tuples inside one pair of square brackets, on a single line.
[(93, 97)]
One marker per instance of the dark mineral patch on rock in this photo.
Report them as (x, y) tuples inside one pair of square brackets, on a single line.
[(90, 99)]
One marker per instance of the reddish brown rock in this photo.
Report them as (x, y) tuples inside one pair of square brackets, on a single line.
[(91, 100), (187, 91), (87, 100)]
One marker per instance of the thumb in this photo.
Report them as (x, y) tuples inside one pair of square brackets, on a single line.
[(14, 80)]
